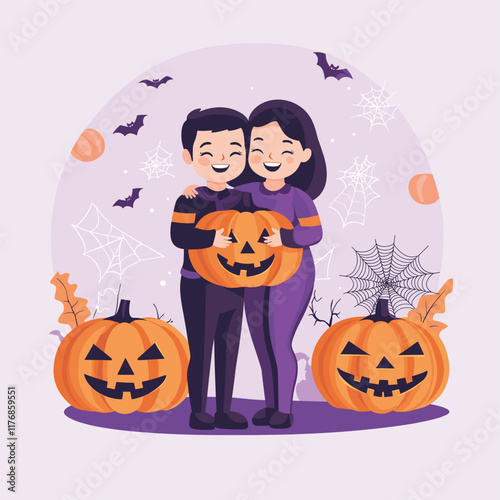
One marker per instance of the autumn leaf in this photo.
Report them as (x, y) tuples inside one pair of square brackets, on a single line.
[(428, 306), (75, 308)]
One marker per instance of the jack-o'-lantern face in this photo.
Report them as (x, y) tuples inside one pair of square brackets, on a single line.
[(127, 379), (248, 261), (123, 364), (384, 364), (380, 366)]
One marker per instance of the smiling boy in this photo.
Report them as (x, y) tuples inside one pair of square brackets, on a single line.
[(214, 145)]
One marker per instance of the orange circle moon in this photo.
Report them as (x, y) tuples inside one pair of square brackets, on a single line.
[(423, 189), (89, 146)]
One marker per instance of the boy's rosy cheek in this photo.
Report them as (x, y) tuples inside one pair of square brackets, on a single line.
[(204, 161), (255, 159), (289, 159)]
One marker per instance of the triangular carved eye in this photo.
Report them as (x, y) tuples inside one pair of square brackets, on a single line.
[(152, 353), (352, 349), (96, 354), (264, 234), (233, 237), (414, 350)]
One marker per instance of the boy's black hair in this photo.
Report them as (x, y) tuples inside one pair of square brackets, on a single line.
[(213, 119)]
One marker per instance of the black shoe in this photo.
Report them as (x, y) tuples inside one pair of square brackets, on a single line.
[(281, 420), (263, 416), (230, 420), (202, 421)]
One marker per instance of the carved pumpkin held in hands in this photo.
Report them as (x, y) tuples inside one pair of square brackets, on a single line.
[(381, 363), (248, 261), (122, 364)]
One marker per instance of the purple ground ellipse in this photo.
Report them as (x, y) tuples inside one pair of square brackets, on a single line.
[(310, 417)]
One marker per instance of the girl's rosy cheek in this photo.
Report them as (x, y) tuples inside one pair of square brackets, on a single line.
[(204, 161), (255, 159), (289, 159)]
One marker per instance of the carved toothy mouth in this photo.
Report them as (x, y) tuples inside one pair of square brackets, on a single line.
[(101, 386), (249, 269), (383, 388)]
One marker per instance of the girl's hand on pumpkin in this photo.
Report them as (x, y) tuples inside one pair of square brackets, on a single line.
[(221, 241), (275, 239), (190, 191)]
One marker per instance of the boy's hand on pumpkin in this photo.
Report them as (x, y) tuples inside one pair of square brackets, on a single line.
[(275, 239), (190, 191), (221, 241)]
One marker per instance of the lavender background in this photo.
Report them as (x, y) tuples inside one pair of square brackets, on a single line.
[(72, 66), (248, 75)]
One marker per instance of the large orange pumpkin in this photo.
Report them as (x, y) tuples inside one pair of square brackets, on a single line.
[(380, 363), (248, 261), (122, 364), (89, 146)]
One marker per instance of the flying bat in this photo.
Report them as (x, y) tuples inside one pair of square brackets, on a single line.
[(129, 200), (156, 82), (331, 70), (132, 127)]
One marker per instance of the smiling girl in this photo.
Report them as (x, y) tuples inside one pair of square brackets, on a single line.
[(285, 153)]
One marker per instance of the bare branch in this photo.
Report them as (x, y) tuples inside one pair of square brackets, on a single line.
[(118, 298), (313, 312), (157, 313), (332, 311)]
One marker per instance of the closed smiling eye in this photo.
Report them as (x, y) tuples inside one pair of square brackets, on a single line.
[(257, 150), (352, 349), (206, 153), (237, 153), (289, 152)]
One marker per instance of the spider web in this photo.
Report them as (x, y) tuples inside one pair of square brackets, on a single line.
[(384, 271), (376, 107), (158, 163), (102, 295), (322, 265), (112, 250), (357, 194)]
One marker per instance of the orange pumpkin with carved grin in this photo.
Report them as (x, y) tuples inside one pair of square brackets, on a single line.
[(248, 261), (380, 363), (123, 364)]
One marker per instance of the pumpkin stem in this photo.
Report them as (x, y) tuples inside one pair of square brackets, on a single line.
[(381, 312), (123, 313)]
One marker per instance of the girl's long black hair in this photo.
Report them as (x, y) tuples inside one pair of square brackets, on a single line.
[(296, 124)]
